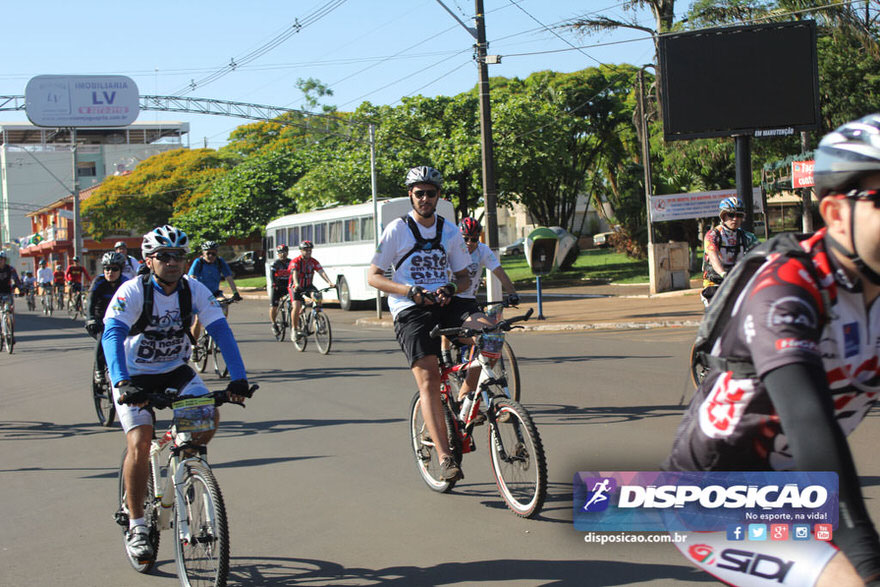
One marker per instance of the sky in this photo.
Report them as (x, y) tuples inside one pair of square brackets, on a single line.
[(365, 50)]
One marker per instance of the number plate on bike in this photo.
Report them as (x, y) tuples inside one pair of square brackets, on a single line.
[(490, 345), (194, 414)]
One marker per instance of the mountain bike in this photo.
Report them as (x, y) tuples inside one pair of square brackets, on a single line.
[(313, 320), (506, 365), (47, 302), (7, 331), (183, 495), (76, 304), (282, 318), (59, 296), (515, 449), (206, 347), (102, 394), (31, 298)]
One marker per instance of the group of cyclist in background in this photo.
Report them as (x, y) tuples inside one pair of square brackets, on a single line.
[(294, 278)]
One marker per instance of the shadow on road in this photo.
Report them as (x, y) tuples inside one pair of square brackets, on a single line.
[(238, 428), (558, 414), (295, 571)]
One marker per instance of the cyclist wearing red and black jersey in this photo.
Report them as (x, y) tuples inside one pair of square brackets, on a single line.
[(279, 274), (302, 274), (812, 370), (58, 281), (75, 276)]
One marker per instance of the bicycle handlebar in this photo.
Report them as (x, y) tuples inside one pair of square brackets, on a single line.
[(461, 331), (163, 399)]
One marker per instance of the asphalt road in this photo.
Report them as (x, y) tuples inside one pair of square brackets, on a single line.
[(317, 472)]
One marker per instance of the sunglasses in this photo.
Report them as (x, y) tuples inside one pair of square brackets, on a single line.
[(211, 253), (872, 196), (425, 194), (166, 256), (469, 239), (112, 268)]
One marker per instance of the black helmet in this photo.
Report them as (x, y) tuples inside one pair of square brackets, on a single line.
[(282, 248), (424, 174), (306, 245), (120, 244), (846, 155)]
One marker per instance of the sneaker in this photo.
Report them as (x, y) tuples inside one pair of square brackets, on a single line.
[(98, 376), (138, 544), (275, 329), (449, 470)]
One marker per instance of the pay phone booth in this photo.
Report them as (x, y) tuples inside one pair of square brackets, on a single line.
[(541, 247)]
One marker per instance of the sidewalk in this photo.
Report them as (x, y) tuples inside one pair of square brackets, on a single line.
[(586, 307)]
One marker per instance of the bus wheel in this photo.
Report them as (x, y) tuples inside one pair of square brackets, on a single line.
[(343, 293)]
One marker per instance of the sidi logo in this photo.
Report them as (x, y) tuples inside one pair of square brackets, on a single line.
[(599, 491), (762, 566), (702, 553)]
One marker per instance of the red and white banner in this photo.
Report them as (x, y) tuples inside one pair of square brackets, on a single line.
[(802, 174), (695, 205)]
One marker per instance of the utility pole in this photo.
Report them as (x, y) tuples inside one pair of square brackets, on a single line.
[(77, 220)]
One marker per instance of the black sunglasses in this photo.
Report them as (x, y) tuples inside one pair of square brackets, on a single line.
[(113, 268), (469, 239), (872, 196), (166, 256), (425, 193)]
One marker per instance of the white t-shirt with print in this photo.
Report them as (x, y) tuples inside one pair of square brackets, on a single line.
[(428, 269), (163, 345), (481, 257)]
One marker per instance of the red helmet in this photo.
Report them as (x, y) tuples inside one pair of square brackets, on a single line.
[(470, 227), (305, 245)]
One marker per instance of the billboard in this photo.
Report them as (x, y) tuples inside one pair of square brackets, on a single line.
[(757, 80), (802, 174), (695, 204), (81, 100)]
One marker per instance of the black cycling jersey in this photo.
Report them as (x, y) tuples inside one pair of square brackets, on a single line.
[(8, 276), (280, 272), (100, 295)]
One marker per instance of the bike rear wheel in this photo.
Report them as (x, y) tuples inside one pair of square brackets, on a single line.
[(151, 516), (281, 319), (424, 449), (71, 307), (220, 367), (518, 460), (203, 556), (102, 396), (323, 333)]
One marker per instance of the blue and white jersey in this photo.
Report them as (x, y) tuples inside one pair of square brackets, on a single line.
[(164, 344), (429, 268), (210, 274)]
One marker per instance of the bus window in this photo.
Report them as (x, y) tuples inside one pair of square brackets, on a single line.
[(320, 233), (293, 236), (281, 236), (352, 230), (305, 232), (334, 231), (269, 246), (367, 228)]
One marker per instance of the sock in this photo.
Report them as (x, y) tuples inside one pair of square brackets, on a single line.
[(132, 522)]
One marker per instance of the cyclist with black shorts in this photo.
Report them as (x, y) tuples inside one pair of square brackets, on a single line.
[(797, 368), (280, 277), (154, 357), (8, 278), (100, 293), (76, 277), (211, 269), (302, 275), (424, 250)]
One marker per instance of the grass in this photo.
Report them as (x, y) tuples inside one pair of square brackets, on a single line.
[(593, 265)]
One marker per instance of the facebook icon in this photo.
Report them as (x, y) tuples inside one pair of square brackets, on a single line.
[(737, 532)]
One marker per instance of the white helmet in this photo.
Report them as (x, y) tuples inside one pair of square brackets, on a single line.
[(164, 237), (847, 155), (424, 174)]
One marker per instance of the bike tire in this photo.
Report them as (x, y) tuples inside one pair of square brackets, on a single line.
[(8, 333), (518, 460), (300, 338), (71, 308), (200, 354), (203, 559), (281, 324), (102, 397), (427, 462), (323, 333), (151, 516), (220, 367), (510, 369)]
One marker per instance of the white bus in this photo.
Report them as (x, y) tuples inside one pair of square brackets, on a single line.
[(343, 239)]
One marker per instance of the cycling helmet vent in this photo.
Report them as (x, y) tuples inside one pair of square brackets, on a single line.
[(164, 237), (846, 155), (424, 174)]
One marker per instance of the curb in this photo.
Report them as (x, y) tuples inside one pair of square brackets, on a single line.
[(562, 327)]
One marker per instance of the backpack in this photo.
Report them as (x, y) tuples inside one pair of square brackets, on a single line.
[(721, 308), (184, 301), (740, 245), (422, 244)]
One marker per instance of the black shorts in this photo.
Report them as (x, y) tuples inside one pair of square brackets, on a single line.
[(277, 294), (470, 305), (298, 296), (413, 326)]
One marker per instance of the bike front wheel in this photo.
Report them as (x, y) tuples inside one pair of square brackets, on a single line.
[(200, 353), (201, 547), (281, 323), (300, 336), (323, 333), (518, 460), (102, 396), (424, 449), (220, 367), (71, 308), (8, 333), (151, 516)]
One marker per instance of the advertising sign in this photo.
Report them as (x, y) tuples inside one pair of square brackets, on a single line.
[(695, 205), (81, 100), (802, 174)]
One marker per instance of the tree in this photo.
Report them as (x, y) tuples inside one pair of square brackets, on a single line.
[(150, 194)]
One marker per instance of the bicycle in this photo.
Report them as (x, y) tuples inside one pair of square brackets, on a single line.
[(189, 500), (102, 394), (516, 453), (282, 318), (59, 296), (506, 364), (313, 320), (31, 298), (7, 330), (47, 302), (76, 304), (206, 347)]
